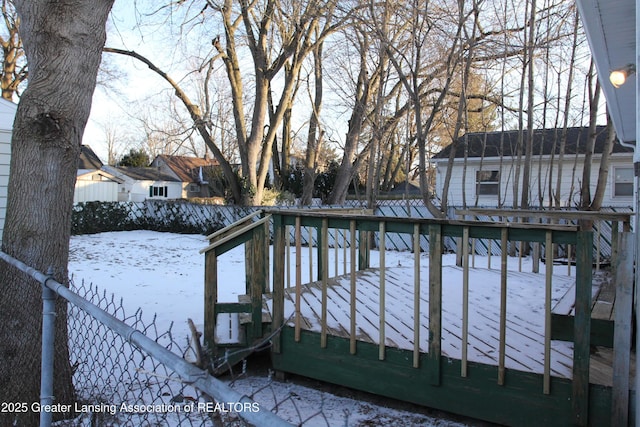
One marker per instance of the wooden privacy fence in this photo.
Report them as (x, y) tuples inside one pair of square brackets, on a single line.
[(354, 232), (186, 217)]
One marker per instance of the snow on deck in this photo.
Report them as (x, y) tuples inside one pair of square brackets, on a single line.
[(525, 314)]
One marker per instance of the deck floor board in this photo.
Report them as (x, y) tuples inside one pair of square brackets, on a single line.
[(525, 315)]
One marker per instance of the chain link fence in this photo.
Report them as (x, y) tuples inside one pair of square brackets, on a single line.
[(121, 379)]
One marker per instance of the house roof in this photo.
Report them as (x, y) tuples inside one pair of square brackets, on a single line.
[(186, 168), (88, 159), (490, 144), (610, 26), (82, 173), (143, 174), (411, 187)]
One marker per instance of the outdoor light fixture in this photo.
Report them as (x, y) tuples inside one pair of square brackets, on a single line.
[(619, 76)]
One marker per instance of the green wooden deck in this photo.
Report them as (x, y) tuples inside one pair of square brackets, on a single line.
[(393, 332)]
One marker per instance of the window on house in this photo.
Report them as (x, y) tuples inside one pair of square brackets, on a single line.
[(158, 191), (623, 182), (488, 183)]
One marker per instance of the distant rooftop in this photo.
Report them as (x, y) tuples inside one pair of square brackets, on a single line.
[(545, 141), (143, 174), (88, 159)]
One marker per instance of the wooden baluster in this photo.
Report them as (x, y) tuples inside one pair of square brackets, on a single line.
[(352, 314), (310, 253), (382, 291), (287, 252), (416, 295), (548, 246), (503, 305), (298, 238), (465, 300), (336, 250), (324, 262)]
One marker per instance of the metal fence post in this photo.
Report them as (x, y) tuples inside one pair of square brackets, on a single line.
[(48, 337)]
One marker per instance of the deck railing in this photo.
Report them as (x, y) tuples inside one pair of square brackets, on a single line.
[(358, 231)]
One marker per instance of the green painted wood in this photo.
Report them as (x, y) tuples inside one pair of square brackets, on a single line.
[(582, 328), (233, 307), (435, 305), (562, 328), (487, 230), (210, 297), (278, 279), (520, 402), (364, 248), (257, 282)]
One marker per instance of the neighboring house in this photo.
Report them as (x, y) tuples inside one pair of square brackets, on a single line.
[(92, 183), (7, 114), (139, 184), (191, 171), (489, 176)]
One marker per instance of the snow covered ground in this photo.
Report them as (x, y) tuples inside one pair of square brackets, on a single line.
[(163, 274)]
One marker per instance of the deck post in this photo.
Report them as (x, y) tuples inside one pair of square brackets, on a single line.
[(622, 331), (278, 280), (210, 298), (435, 303), (259, 277), (582, 327)]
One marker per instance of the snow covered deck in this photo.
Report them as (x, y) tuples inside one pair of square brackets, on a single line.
[(525, 314), (441, 333)]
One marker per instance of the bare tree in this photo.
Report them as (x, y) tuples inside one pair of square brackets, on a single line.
[(603, 171), (297, 27), (315, 133), (594, 101), (14, 66), (63, 44)]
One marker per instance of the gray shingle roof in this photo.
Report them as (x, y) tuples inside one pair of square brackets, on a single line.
[(490, 144)]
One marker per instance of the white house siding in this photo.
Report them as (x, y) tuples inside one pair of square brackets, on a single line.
[(138, 191), (7, 114), (570, 196), (5, 159), (89, 190)]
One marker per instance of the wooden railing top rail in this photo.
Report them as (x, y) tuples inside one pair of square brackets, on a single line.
[(336, 217), (241, 222), (239, 233), (549, 214)]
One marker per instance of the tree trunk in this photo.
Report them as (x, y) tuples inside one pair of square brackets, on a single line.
[(314, 136), (603, 171), (63, 44), (594, 98)]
